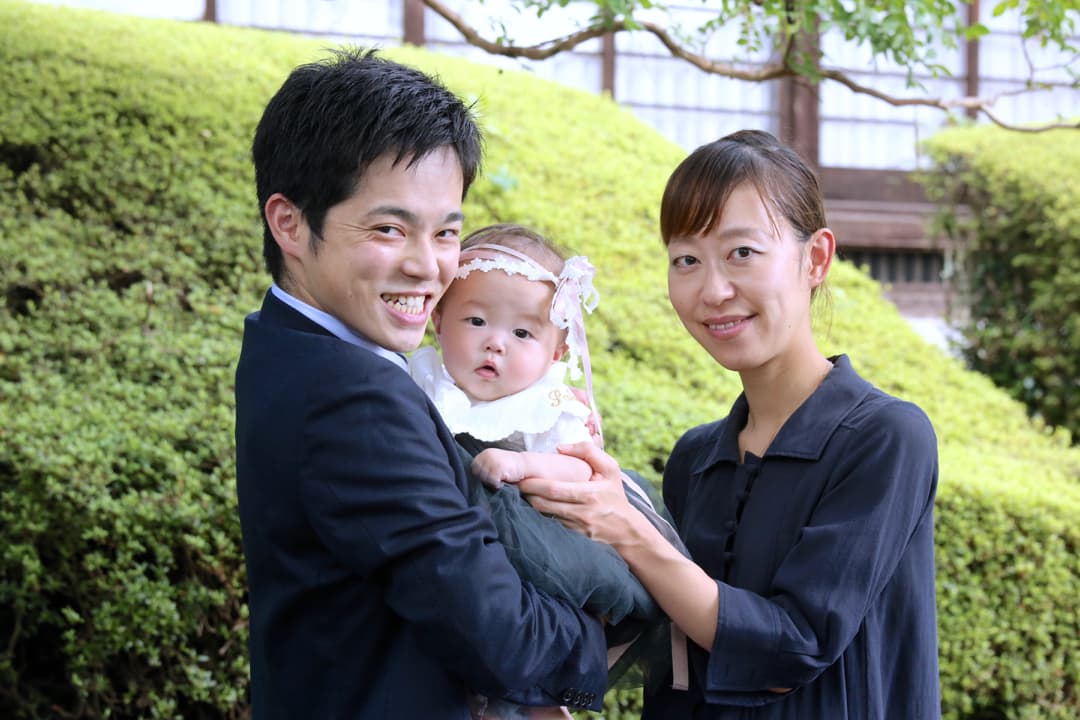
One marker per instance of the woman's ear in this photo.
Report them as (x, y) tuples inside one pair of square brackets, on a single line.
[(286, 224), (820, 249)]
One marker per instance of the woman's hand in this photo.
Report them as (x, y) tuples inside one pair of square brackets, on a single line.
[(598, 508)]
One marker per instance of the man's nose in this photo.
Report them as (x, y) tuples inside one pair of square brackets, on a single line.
[(421, 260)]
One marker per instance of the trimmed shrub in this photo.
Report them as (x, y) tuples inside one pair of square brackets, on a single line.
[(131, 253), (1018, 259)]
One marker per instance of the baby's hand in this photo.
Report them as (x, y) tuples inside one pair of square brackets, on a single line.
[(495, 466)]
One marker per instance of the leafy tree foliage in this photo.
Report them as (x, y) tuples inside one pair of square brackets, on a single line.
[(1012, 207)]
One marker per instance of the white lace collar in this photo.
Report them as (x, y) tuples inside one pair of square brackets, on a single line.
[(533, 410)]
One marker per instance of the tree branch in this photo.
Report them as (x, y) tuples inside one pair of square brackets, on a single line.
[(761, 73), (982, 105)]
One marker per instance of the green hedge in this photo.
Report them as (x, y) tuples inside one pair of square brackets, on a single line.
[(1011, 204), (130, 244)]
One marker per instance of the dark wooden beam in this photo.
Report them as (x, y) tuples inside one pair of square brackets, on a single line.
[(866, 184), (971, 59), (800, 109), (801, 118), (607, 64), (414, 23)]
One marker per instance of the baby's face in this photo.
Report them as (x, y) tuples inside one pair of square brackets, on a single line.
[(495, 333)]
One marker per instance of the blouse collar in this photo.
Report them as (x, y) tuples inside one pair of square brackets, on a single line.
[(804, 434)]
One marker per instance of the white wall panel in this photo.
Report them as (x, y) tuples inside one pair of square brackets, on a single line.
[(358, 19), (575, 70), (579, 69), (691, 128), (1033, 107), (843, 55), (667, 82), (490, 16), (1007, 62), (173, 9)]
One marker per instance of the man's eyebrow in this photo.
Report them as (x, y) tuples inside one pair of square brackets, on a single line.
[(409, 216), (399, 212)]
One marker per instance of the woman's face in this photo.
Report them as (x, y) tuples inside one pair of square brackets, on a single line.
[(743, 288)]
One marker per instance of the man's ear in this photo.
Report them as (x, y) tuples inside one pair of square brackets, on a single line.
[(560, 352), (820, 249), (286, 224)]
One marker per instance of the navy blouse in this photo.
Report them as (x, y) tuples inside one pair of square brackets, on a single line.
[(823, 553)]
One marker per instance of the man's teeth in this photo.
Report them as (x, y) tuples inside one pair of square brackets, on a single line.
[(724, 326), (409, 304)]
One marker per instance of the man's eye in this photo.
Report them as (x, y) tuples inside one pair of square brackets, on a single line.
[(521, 333)]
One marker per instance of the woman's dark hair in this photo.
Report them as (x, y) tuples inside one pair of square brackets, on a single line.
[(700, 186), (332, 119)]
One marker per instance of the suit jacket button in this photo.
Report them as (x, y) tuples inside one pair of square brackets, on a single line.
[(567, 696)]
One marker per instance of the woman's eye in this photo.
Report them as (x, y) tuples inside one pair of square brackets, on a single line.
[(522, 333), (742, 253), (684, 261)]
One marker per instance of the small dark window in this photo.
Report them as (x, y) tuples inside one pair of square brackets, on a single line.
[(898, 266)]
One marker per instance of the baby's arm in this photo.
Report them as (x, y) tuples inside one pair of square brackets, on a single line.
[(495, 466)]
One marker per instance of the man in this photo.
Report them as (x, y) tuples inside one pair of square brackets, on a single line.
[(376, 589)]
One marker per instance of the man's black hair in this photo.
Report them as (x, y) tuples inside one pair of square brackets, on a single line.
[(331, 119)]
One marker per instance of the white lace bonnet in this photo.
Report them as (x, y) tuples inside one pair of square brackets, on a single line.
[(573, 291)]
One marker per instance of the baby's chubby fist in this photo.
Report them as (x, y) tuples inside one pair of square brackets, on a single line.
[(495, 466)]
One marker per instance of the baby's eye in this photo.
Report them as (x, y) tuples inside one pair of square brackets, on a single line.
[(475, 321), (522, 333), (684, 261)]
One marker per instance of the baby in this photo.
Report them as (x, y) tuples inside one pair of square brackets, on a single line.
[(508, 319), (513, 312)]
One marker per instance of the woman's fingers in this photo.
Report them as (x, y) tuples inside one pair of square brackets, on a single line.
[(601, 463), (551, 491)]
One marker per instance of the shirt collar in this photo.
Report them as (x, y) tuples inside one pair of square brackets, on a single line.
[(809, 428), (337, 328)]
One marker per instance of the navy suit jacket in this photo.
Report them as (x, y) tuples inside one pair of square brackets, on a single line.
[(377, 590)]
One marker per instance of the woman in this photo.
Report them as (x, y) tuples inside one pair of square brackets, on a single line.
[(808, 510)]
